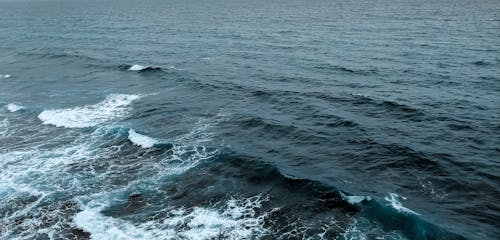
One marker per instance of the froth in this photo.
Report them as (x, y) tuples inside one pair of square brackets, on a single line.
[(114, 106), (137, 67), (12, 107), (236, 219), (362, 228), (141, 140), (354, 199), (396, 204), (4, 125)]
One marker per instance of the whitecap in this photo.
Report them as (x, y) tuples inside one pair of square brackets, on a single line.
[(12, 107), (137, 67), (396, 204), (141, 140), (6, 76), (114, 106), (354, 199)]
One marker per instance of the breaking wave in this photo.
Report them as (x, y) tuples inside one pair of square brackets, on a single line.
[(235, 219), (114, 106), (42, 184), (12, 107), (141, 140), (141, 68)]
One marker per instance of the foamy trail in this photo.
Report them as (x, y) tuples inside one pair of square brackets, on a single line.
[(114, 106), (140, 140), (12, 107), (5, 76)]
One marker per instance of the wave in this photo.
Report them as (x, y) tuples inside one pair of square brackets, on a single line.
[(335, 68), (236, 219), (393, 199), (372, 106), (353, 200), (483, 63), (114, 106), (137, 67), (141, 68), (300, 206), (57, 55), (42, 183), (12, 107), (5, 76), (142, 140)]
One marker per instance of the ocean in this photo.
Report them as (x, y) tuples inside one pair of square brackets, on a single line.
[(231, 119)]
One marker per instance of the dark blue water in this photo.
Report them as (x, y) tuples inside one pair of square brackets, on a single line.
[(249, 119)]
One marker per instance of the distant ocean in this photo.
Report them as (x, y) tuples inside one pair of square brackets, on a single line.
[(232, 119)]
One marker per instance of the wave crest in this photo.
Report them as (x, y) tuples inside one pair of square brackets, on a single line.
[(141, 140), (141, 68), (114, 106)]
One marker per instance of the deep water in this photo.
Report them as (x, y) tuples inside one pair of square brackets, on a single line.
[(231, 119)]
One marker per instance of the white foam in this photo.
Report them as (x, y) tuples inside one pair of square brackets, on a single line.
[(12, 107), (396, 204), (137, 67), (35, 172), (237, 219), (114, 106), (360, 95), (6, 76), (361, 228), (354, 199), (291, 176), (47, 166), (141, 140), (103, 227), (4, 126)]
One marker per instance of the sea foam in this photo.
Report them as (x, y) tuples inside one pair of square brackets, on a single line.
[(396, 204), (141, 140), (236, 219), (12, 107), (354, 199), (114, 106), (137, 67)]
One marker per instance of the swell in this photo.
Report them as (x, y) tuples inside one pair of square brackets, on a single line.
[(93, 62), (58, 55), (362, 104), (374, 107), (330, 68), (320, 130)]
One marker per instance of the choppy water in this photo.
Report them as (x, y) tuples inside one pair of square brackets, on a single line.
[(249, 119)]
